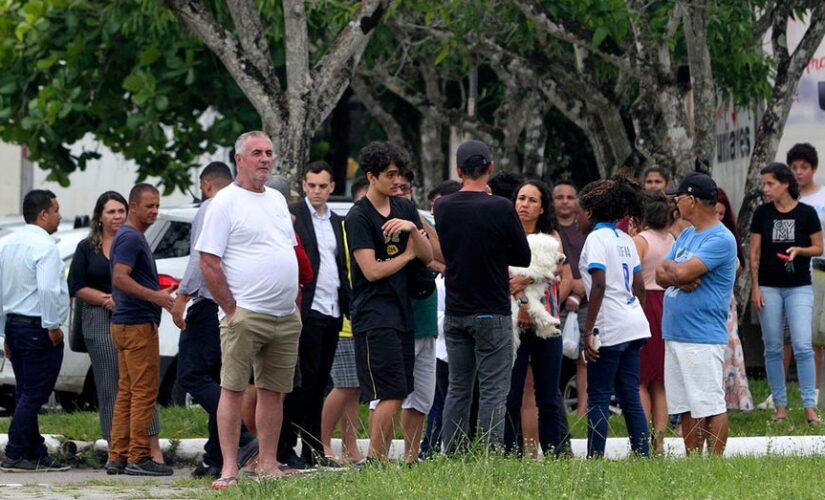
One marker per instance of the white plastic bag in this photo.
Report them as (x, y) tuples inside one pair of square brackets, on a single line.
[(570, 336)]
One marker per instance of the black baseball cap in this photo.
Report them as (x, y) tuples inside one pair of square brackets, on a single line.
[(472, 148), (697, 184)]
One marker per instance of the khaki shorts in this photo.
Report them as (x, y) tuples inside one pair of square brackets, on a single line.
[(261, 342)]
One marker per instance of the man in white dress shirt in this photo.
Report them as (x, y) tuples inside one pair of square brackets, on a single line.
[(34, 303)]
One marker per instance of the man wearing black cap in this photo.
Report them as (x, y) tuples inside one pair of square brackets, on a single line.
[(698, 275), (480, 236)]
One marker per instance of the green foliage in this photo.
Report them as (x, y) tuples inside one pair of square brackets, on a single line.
[(129, 75)]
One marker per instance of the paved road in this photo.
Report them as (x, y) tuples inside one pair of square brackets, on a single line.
[(95, 484)]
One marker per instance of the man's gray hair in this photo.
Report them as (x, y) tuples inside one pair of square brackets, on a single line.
[(240, 142)]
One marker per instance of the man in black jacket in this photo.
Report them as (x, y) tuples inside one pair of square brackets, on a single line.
[(324, 302)]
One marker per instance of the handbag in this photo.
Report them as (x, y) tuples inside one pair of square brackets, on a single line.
[(76, 341), (571, 336)]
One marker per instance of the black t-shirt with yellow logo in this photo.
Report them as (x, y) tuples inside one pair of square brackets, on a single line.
[(383, 303)]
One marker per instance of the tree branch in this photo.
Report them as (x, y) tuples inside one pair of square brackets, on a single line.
[(764, 22), (297, 52), (252, 35), (332, 74), (364, 93), (701, 77), (536, 13), (262, 92)]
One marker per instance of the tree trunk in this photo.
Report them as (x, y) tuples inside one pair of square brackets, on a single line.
[(432, 154), (535, 138)]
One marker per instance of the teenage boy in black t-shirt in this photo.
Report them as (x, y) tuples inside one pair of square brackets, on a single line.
[(383, 236), (480, 236)]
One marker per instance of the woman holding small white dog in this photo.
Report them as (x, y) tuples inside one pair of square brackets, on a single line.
[(536, 293), (616, 327)]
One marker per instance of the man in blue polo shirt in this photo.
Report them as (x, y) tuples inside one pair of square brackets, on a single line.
[(698, 276)]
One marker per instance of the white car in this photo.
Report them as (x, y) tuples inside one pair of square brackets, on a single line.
[(75, 387)]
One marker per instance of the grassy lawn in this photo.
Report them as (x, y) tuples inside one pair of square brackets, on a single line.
[(177, 422), (698, 477)]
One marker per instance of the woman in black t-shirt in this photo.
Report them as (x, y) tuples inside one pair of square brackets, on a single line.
[(785, 234), (90, 284)]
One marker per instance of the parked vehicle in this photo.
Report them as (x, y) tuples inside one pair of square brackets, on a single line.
[(75, 387)]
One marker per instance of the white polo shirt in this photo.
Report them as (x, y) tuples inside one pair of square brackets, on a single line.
[(252, 234), (621, 318)]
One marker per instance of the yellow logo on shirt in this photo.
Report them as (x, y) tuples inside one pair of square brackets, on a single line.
[(392, 250)]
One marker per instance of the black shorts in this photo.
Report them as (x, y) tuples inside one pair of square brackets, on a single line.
[(385, 359)]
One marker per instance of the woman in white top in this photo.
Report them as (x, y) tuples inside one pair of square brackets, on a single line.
[(616, 327)]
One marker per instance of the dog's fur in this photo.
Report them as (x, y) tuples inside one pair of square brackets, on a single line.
[(546, 258)]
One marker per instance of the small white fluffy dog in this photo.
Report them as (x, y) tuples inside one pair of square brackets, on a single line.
[(546, 258)]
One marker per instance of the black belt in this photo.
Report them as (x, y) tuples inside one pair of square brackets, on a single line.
[(24, 320)]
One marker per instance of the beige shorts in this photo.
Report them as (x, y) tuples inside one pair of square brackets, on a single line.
[(261, 342)]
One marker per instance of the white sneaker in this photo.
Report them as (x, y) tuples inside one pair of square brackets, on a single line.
[(767, 404)]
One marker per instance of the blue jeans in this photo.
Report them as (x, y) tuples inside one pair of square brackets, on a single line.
[(617, 369), (36, 362), (199, 371), (432, 434), (794, 304), (544, 356), (480, 344)]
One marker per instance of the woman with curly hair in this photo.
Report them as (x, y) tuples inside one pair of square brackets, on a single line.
[(616, 327)]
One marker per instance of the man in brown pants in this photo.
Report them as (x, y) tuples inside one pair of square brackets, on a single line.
[(138, 302)]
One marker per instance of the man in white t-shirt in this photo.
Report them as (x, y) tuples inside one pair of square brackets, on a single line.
[(249, 265), (803, 161)]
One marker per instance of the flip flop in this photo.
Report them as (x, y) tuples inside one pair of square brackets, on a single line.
[(777, 420), (224, 483)]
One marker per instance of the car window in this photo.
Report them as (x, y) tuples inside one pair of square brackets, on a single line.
[(175, 241)]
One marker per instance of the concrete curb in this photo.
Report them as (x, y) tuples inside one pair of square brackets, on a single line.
[(190, 450)]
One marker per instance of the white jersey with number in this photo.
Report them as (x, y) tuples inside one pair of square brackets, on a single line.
[(621, 318)]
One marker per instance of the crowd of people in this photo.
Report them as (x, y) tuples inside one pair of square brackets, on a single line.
[(447, 322)]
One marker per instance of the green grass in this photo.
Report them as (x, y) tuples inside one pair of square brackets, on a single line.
[(176, 423), (497, 477)]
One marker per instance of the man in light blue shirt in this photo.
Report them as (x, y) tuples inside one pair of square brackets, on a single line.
[(34, 303), (698, 276)]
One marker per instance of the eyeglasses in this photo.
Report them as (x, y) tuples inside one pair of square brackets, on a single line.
[(405, 188), (678, 198)]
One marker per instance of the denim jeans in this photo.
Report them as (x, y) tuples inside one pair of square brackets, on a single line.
[(480, 344), (616, 369), (199, 371), (432, 434), (794, 304), (544, 356), (36, 362)]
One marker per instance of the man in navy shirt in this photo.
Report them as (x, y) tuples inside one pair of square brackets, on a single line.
[(138, 302)]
